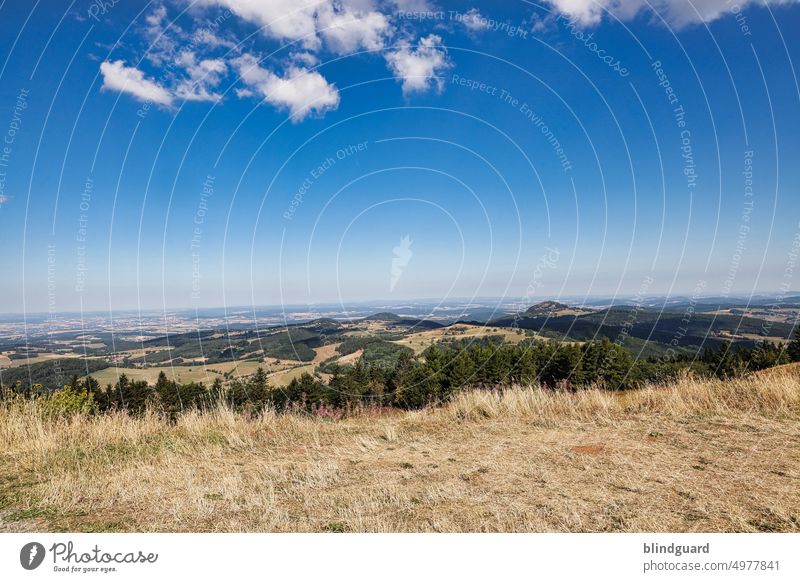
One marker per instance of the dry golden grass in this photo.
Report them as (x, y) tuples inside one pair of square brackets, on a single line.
[(281, 371), (284, 377), (694, 456), (7, 362), (185, 373), (422, 340), (322, 353)]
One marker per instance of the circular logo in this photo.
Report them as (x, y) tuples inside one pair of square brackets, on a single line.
[(31, 555)]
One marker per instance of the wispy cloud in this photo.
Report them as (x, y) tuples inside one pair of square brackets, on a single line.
[(677, 13), (474, 21), (202, 77), (119, 77), (346, 30)]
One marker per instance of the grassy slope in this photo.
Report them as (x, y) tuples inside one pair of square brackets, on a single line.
[(696, 456)]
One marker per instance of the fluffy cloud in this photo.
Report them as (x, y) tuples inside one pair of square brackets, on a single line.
[(421, 68), (345, 25), (198, 84), (288, 20), (677, 13), (202, 77), (118, 77), (301, 91), (194, 68), (346, 30)]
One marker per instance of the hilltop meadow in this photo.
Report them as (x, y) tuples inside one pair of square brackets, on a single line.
[(689, 454)]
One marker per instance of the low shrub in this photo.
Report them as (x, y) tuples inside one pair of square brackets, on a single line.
[(68, 402)]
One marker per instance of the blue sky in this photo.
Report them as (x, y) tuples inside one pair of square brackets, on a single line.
[(241, 153)]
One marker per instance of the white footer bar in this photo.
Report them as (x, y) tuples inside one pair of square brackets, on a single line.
[(355, 557)]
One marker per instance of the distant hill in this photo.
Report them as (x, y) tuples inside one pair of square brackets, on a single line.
[(540, 312), (323, 325), (553, 308), (394, 319), (655, 326), (383, 316), (546, 307)]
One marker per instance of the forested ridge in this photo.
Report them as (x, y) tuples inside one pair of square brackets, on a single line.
[(407, 381)]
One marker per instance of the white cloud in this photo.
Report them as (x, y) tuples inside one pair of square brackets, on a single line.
[(682, 12), (118, 77), (163, 36), (473, 20), (290, 20), (202, 77), (345, 25), (419, 69), (301, 91), (346, 30), (412, 5), (677, 13), (585, 12), (155, 18), (189, 71), (305, 58), (206, 37)]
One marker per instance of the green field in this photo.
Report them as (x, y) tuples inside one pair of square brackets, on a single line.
[(183, 374)]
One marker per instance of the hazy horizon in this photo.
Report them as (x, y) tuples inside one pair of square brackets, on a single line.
[(219, 154), (388, 304)]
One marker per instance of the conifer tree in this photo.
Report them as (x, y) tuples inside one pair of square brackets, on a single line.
[(793, 349)]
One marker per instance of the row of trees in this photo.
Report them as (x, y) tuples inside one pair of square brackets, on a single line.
[(414, 382), (442, 371)]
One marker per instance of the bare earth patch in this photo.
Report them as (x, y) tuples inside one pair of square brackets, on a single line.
[(350, 358), (589, 449)]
